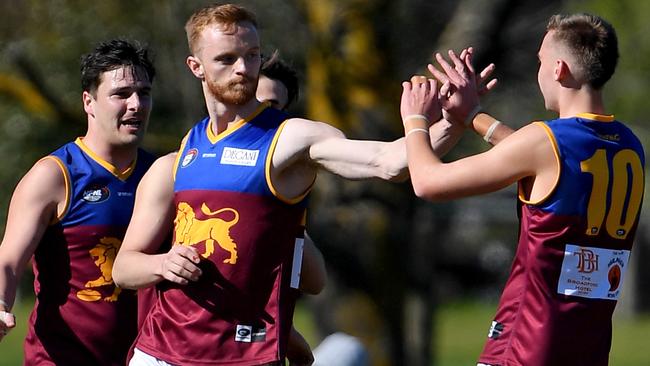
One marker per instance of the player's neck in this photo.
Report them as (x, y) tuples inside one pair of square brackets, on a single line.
[(119, 156), (223, 115), (584, 100)]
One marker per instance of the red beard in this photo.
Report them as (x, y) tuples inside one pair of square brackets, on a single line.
[(233, 92)]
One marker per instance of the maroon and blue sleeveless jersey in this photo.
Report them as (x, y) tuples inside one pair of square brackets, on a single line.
[(573, 252), (250, 240), (80, 316)]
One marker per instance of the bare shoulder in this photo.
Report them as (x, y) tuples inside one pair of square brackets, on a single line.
[(167, 160), (158, 181), (41, 194), (46, 180), (528, 138), (530, 147), (163, 166)]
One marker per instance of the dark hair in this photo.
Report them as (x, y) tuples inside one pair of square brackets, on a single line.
[(274, 68), (110, 55), (593, 43)]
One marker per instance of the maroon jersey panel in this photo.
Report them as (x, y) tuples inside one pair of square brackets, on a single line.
[(240, 310), (534, 325), (80, 317)]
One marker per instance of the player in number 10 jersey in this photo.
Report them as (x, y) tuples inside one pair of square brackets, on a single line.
[(580, 180)]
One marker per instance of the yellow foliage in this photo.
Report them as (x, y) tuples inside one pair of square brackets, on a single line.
[(29, 97)]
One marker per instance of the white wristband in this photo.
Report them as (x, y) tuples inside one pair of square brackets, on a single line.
[(471, 115), (415, 116), (490, 131), (3, 303), (413, 130)]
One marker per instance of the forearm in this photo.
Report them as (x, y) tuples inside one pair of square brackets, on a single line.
[(444, 135), (488, 127), (8, 283), (421, 160), (134, 270)]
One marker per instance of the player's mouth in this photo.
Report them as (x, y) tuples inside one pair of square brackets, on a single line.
[(132, 123)]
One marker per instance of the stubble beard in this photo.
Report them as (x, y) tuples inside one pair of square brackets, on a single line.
[(233, 92)]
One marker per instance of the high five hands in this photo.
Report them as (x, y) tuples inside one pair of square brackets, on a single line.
[(457, 100)]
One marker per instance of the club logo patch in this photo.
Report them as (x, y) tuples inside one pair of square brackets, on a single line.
[(95, 193), (189, 157)]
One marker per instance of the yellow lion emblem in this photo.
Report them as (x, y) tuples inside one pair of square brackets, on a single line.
[(190, 231), (104, 255)]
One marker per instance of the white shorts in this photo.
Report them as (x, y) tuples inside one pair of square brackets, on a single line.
[(142, 359)]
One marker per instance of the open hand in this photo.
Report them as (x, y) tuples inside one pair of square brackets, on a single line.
[(420, 97), (461, 86)]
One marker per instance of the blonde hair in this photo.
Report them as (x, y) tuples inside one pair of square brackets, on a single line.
[(226, 16)]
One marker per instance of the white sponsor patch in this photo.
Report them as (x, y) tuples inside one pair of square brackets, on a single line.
[(296, 267), (234, 156), (594, 273)]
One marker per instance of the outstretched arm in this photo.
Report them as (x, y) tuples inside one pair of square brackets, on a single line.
[(34, 204), (312, 144), (137, 265)]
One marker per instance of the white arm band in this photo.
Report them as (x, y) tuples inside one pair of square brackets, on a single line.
[(416, 116), (490, 131), (413, 130)]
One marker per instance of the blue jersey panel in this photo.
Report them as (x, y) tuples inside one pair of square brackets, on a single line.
[(98, 196), (238, 156), (587, 147)]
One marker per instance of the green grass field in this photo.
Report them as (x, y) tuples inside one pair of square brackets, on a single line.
[(460, 336), (462, 329)]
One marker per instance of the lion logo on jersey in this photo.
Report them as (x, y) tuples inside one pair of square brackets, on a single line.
[(104, 255), (190, 231)]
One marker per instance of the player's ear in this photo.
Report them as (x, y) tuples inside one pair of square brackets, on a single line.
[(561, 71), (87, 100), (195, 66)]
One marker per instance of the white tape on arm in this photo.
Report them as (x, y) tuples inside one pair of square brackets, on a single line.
[(490, 131), (414, 130), (416, 116)]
